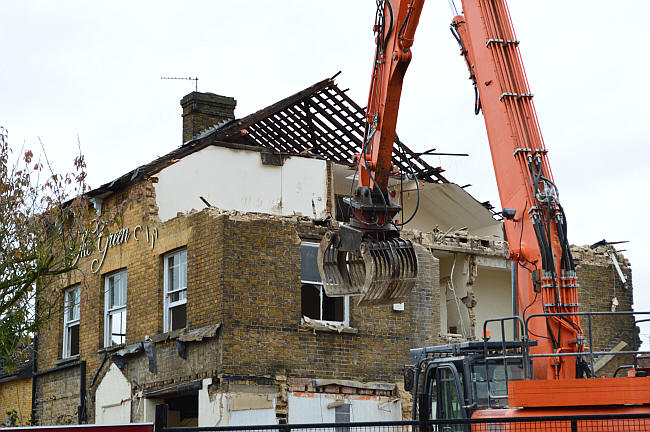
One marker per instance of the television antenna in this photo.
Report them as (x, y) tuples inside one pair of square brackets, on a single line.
[(195, 79)]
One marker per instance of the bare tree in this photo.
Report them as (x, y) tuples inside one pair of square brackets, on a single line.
[(41, 218)]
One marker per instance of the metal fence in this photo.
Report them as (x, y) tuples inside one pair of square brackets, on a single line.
[(591, 423)]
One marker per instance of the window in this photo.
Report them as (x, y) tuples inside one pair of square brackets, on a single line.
[(315, 304), (71, 312), (175, 281), (115, 308)]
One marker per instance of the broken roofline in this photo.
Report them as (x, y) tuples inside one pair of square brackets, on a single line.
[(320, 121)]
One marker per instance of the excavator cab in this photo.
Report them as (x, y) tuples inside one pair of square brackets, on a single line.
[(367, 257), (450, 382)]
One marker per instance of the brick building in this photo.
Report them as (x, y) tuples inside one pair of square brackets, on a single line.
[(206, 296), (16, 394)]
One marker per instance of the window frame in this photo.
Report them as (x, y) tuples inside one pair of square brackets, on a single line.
[(167, 305), (70, 323), (319, 285), (109, 312)]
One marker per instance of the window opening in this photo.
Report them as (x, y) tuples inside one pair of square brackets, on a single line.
[(183, 410), (115, 309), (175, 281), (315, 304), (71, 314), (498, 384)]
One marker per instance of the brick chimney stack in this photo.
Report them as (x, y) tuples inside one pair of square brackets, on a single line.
[(202, 110)]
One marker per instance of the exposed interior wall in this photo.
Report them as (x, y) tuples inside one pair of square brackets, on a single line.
[(251, 408), (217, 408), (446, 206), (209, 408), (113, 398), (474, 288), (494, 300), (149, 409), (454, 278), (323, 407), (235, 179)]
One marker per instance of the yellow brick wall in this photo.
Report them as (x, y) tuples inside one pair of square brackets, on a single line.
[(16, 395), (262, 313)]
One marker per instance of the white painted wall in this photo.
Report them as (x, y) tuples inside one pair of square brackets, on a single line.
[(494, 299), (221, 409), (113, 398), (441, 205), (232, 179), (492, 288), (209, 411), (312, 408), (149, 407), (452, 318), (252, 417), (448, 206)]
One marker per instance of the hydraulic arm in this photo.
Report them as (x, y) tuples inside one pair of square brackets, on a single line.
[(535, 222), (367, 256)]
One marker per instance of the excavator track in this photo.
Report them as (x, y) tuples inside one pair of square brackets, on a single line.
[(380, 272)]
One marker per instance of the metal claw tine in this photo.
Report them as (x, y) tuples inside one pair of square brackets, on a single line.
[(381, 272)]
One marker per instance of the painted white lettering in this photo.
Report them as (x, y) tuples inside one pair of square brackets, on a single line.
[(135, 232)]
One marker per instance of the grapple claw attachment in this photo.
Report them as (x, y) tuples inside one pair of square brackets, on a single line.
[(381, 272)]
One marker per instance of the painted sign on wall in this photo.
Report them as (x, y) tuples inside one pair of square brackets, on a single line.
[(107, 240)]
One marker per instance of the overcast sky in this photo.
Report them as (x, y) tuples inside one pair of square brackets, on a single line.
[(92, 70)]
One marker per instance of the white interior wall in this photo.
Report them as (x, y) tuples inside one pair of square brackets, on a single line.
[(235, 409), (447, 206), (113, 398), (492, 289), (441, 205), (210, 411), (233, 179), (494, 300), (313, 408), (455, 310), (148, 406)]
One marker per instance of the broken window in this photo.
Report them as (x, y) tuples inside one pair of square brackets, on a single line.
[(71, 313), (115, 308), (315, 304), (175, 281)]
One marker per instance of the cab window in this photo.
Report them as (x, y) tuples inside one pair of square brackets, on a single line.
[(444, 397)]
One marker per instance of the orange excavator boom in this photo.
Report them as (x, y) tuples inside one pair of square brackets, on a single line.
[(534, 220)]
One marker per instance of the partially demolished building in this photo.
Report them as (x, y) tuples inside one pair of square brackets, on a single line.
[(206, 296)]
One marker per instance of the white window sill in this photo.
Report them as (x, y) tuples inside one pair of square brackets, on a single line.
[(307, 324)]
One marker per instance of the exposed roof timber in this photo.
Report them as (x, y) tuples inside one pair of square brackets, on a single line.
[(319, 121), (324, 116)]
